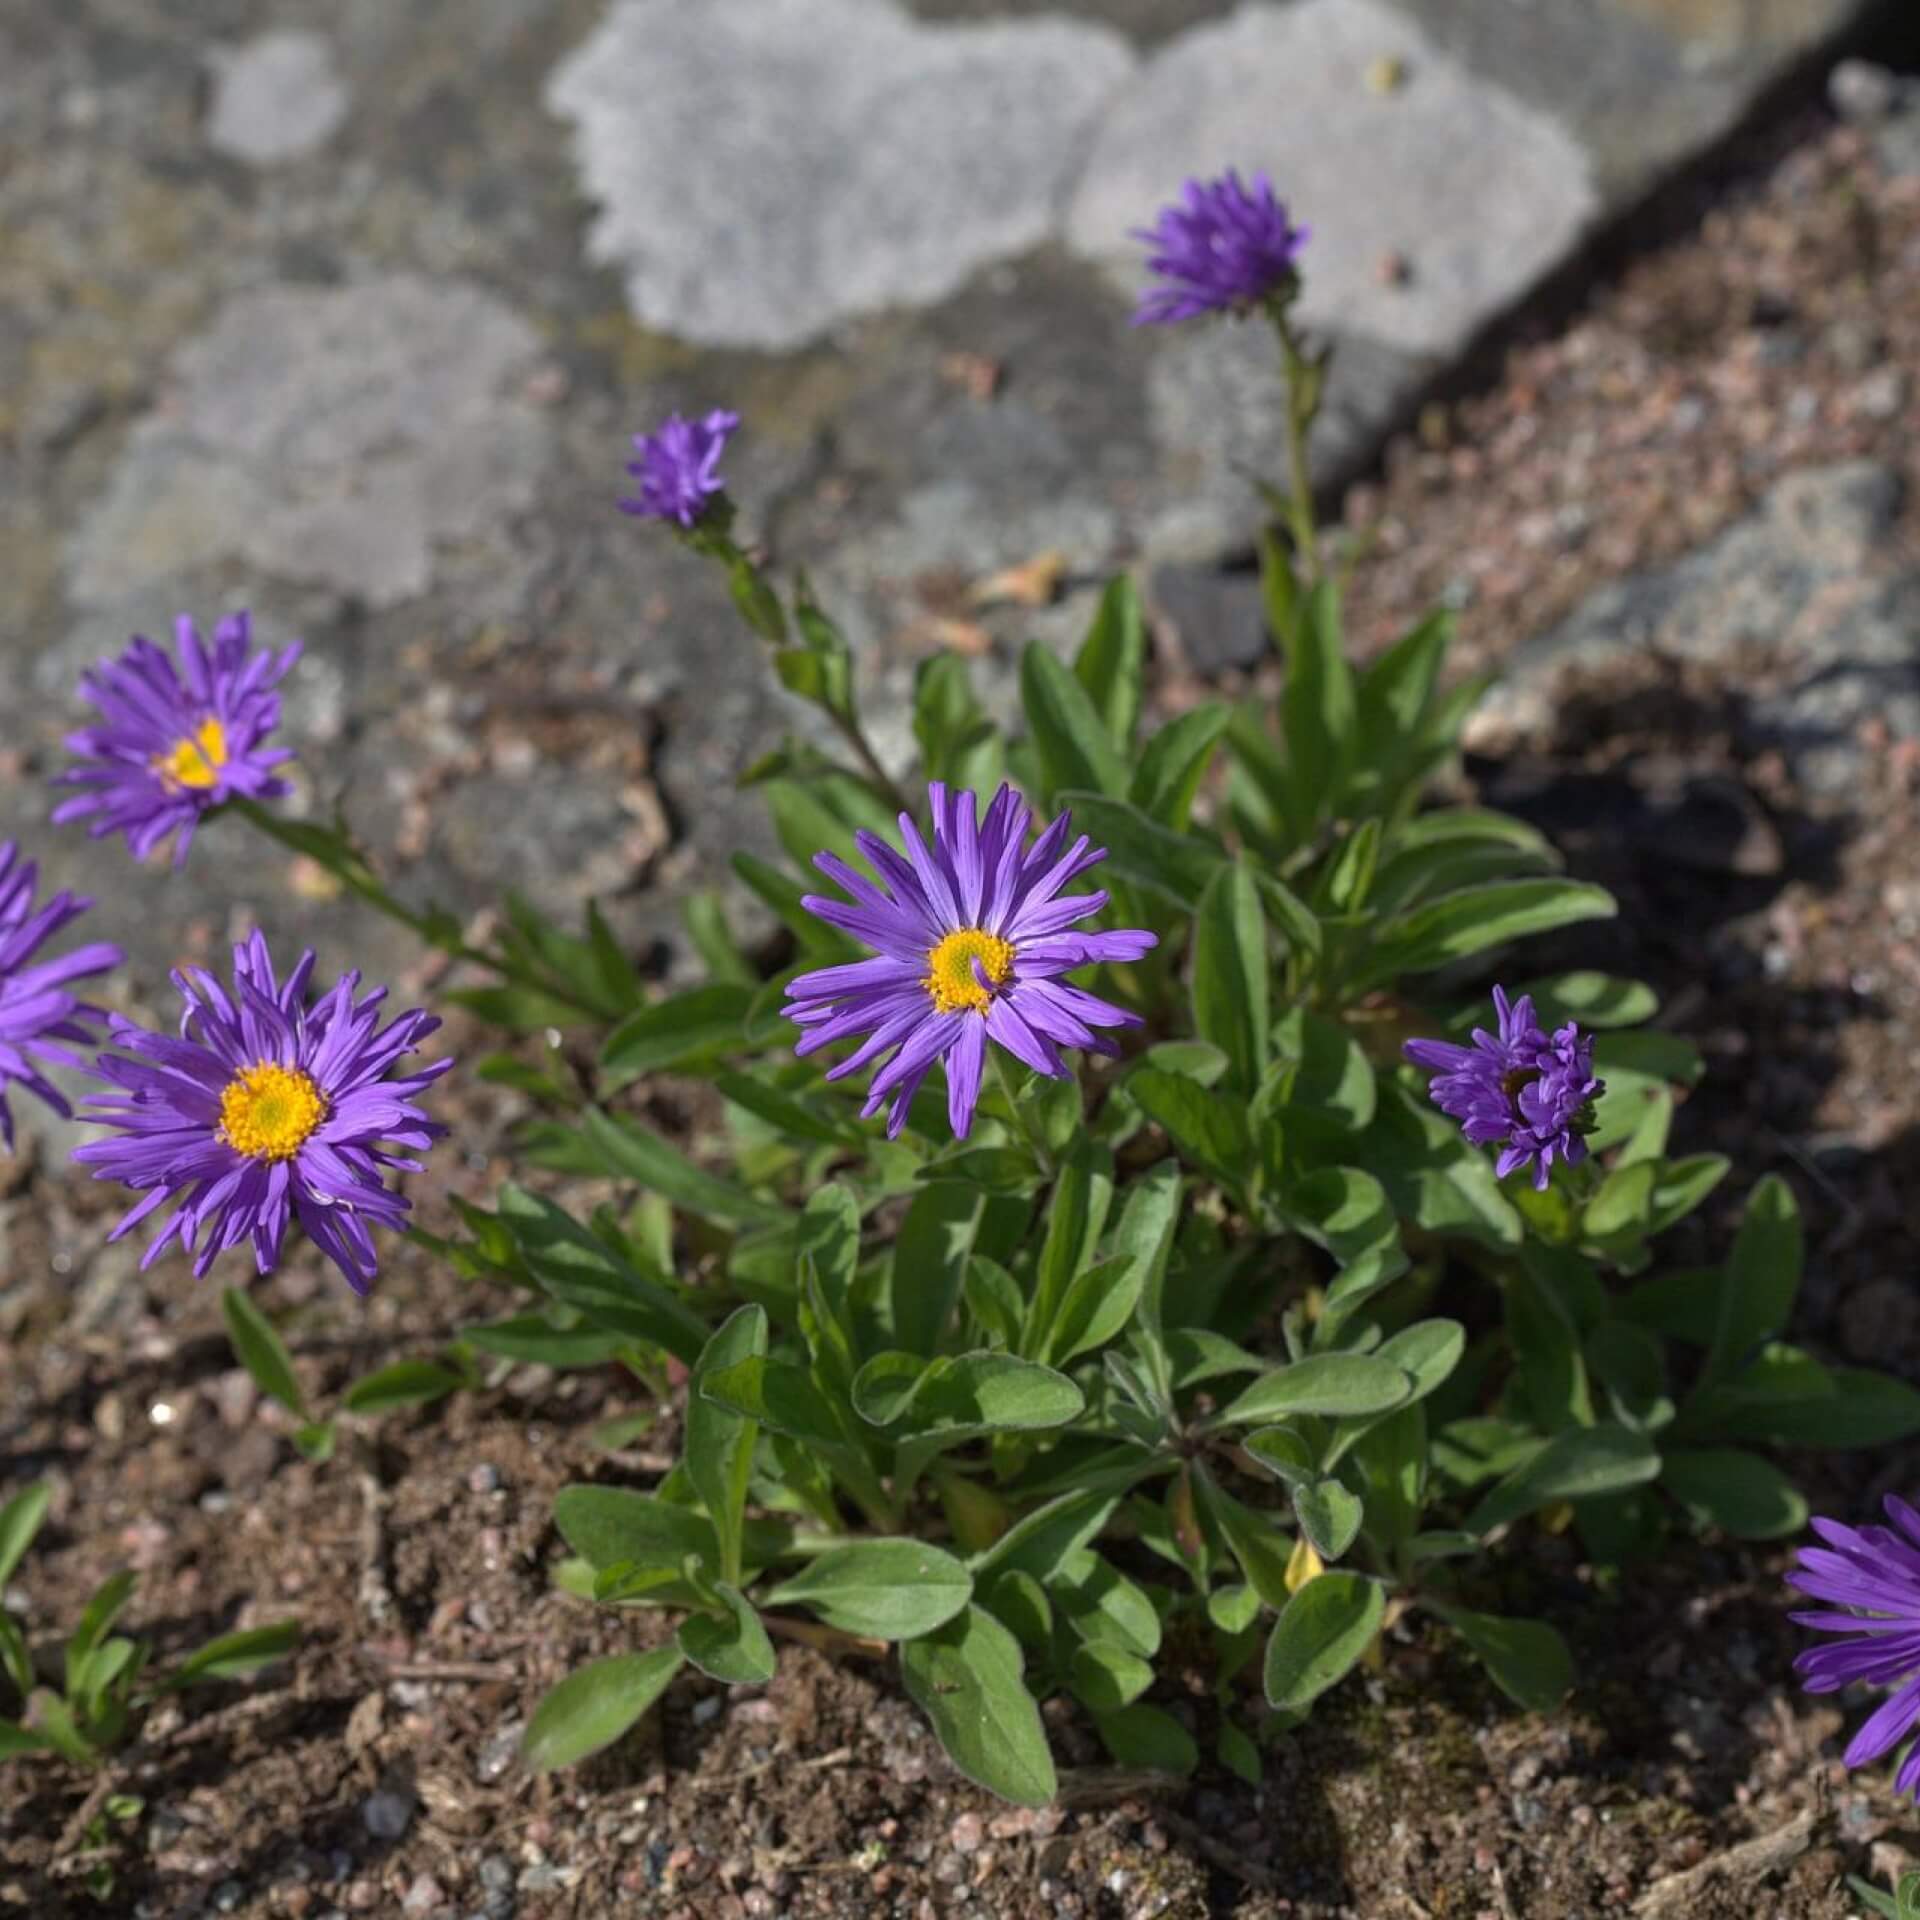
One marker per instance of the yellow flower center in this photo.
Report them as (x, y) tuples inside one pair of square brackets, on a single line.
[(267, 1111), (951, 981), (194, 762)]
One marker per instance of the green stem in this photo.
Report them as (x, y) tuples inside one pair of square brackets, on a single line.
[(1302, 404), (1020, 1120), (877, 775), (354, 874)]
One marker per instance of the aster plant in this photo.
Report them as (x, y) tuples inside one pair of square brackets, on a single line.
[(42, 1020), (180, 734), (1867, 1580), (265, 1111), (1052, 1273)]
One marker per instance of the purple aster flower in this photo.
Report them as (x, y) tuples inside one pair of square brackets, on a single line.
[(1227, 247), (1873, 1573), (1517, 1087), (266, 1110), (679, 467), (37, 1013), (177, 740), (972, 936)]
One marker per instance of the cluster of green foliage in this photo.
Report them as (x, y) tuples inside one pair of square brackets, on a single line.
[(1231, 1346)]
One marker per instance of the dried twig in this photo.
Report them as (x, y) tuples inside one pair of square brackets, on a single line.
[(837, 1758), (1678, 1893), (1230, 1860)]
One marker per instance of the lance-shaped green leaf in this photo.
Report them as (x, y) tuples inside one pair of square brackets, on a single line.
[(594, 1706), (1046, 1539), (407, 1383), (1205, 1127), (1579, 1464), (967, 1678), (1326, 1383), (1476, 918), (887, 1589), (968, 1393), (1320, 1636), (1112, 660), (20, 1520), (1761, 1280), (929, 1267), (1145, 1736), (720, 1439), (615, 1526), (690, 1026), (1232, 973), (1170, 770), (262, 1352), (1070, 737), (777, 1394), (235, 1655), (1738, 1492), (626, 1150), (1172, 866), (1525, 1659)]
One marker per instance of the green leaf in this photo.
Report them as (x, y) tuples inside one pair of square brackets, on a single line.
[(1318, 710), (629, 1152), (1390, 1459), (20, 1520), (685, 1027), (580, 1271), (54, 1719), (783, 896), (779, 1395), (886, 1589), (1740, 1493), (1433, 1177), (407, 1383), (102, 1609), (1106, 1678), (1232, 974), (1596, 1000), (731, 1647), (1175, 761), (1683, 1185), (594, 1706), (1099, 1303), (1327, 1383), (1525, 1659), (261, 1352), (1762, 1277), (966, 1677), (1630, 1363), (720, 1440), (1395, 691), (1237, 1752), (1111, 663), (1857, 1408), (1623, 1201), (1254, 1537), (1329, 1516), (615, 1526), (533, 1337), (1428, 1351), (1147, 1737), (1070, 737), (1320, 1635), (1330, 1076), (17, 1741), (1204, 1127), (1172, 866), (968, 1393), (1048, 1538), (1469, 922), (235, 1655), (929, 1267), (784, 1111), (1574, 1465)]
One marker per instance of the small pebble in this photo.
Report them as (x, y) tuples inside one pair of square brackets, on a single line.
[(496, 1872), (706, 1709), (386, 1814), (485, 1478), (228, 1895), (498, 1754), (1862, 91)]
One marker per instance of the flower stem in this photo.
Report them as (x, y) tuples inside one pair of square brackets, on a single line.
[(340, 858), (1020, 1119), (877, 776), (1303, 403)]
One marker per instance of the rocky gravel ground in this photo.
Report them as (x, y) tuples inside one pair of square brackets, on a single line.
[(1683, 515)]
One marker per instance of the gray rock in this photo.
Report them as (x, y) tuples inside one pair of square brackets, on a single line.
[(1216, 615), (275, 98), (1803, 583), (332, 435), (387, 1814), (1217, 409), (1863, 91), (1376, 173), (766, 169)]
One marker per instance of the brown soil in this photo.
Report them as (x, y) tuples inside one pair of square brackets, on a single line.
[(417, 1559)]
